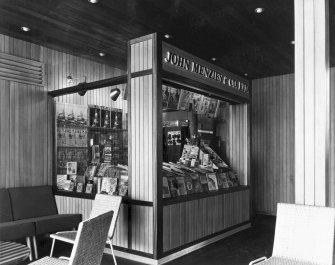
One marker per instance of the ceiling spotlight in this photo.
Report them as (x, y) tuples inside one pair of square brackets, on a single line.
[(213, 59), (69, 79), (167, 36), (93, 1), (114, 93), (259, 10), (293, 42), (82, 93), (102, 54), (25, 29)]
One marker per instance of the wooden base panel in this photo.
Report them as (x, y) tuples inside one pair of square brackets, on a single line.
[(180, 253)]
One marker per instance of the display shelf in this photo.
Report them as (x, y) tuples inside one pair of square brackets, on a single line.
[(201, 195), (100, 129), (73, 194)]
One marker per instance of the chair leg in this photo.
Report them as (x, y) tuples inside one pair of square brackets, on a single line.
[(35, 247), (111, 245), (29, 246), (52, 247)]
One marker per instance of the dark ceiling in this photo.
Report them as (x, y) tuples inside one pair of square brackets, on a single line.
[(229, 30)]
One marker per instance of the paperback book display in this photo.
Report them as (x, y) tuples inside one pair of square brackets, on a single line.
[(198, 170), (91, 149)]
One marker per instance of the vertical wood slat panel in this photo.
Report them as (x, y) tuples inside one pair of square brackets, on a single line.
[(188, 221), (331, 161), (273, 142), (239, 152)]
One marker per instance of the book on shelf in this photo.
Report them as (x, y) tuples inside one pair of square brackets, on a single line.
[(166, 190), (189, 184), (212, 182), (181, 186)]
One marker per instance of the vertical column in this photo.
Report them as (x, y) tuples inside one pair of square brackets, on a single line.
[(311, 100), (145, 140)]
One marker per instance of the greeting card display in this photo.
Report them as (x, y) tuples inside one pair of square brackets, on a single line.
[(105, 117), (94, 113)]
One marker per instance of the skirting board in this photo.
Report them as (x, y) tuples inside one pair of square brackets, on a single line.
[(180, 253)]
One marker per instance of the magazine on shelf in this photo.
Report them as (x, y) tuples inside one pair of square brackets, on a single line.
[(80, 187), (90, 172), (123, 183), (203, 181), (71, 168), (181, 185), (212, 182), (222, 180), (89, 188), (173, 186), (166, 190), (61, 179), (102, 169), (196, 182)]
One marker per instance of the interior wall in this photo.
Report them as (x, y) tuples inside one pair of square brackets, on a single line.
[(330, 184), (26, 113), (272, 151)]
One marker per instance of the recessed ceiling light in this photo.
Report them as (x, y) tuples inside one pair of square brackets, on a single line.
[(293, 42), (93, 1), (167, 36), (102, 54), (24, 28), (213, 59), (259, 10)]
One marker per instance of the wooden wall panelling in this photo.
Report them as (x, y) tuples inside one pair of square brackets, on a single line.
[(273, 142), (192, 220), (142, 228), (331, 159), (142, 138), (239, 151)]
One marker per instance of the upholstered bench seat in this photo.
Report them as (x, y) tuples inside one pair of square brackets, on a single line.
[(16, 229), (56, 222)]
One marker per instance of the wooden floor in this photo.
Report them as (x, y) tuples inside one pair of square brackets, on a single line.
[(240, 248)]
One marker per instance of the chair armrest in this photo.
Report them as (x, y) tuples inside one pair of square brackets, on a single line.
[(66, 258), (257, 260), (54, 235)]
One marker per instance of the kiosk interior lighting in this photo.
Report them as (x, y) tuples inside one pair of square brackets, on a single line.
[(213, 59), (259, 10), (25, 29), (114, 93), (167, 36), (245, 74), (93, 1), (102, 54), (292, 42)]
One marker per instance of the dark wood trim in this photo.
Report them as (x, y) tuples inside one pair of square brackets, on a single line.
[(182, 82), (73, 194), (130, 234), (131, 251), (141, 39), (158, 203), (142, 73), (203, 195), (174, 250), (114, 81)]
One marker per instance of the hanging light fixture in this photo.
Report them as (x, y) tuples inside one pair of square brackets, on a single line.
[(114, 93)]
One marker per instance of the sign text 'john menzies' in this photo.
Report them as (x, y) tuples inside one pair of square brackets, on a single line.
[(197, 68)]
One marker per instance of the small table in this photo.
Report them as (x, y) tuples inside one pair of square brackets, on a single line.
[(12, 253)]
